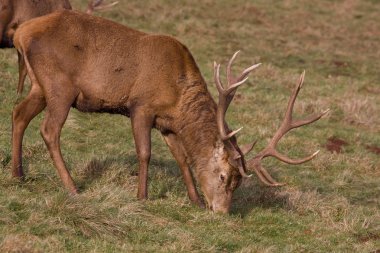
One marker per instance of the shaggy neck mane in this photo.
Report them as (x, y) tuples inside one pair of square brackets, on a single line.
[(198, 127)]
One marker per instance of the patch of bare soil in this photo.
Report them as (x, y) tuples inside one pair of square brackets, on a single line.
[(368, 237), (373, 149), (334, 144)]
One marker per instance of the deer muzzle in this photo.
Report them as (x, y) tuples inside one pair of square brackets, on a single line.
[(221, 203)]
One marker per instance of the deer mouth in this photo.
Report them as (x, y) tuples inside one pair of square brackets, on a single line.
[(219, 209)]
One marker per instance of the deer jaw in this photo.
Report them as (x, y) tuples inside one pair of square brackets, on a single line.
[(219, 179)]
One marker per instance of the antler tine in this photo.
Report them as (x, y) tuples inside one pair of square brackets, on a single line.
[(217, 80), (96, 5), (288, 122), (286, 159), (285, 127), (246, 72), (289, 109), (243, 173), (264, 176), (226, 94), (269, 177), (226, 137), (231, 87), (107, 6), (309, 120), (229, 67), (243, 75)]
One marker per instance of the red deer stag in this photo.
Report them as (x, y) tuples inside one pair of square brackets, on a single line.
[(15, 12), (154, 80)]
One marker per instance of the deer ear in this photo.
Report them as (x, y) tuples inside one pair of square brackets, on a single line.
[(245, 149)]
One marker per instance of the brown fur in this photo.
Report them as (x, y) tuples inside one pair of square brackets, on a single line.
[(95, 65)]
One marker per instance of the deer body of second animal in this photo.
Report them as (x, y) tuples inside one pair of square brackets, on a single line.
[(15, 12), (95, 65)]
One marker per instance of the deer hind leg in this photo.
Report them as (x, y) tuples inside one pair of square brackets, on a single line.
[(178, 153), (142, 124), (22, 114), (22, 71), (58, 107)]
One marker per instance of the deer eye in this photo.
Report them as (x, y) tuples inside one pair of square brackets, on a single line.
[(222, 177)]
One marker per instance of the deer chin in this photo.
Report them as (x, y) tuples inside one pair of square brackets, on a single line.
[(217, 207)]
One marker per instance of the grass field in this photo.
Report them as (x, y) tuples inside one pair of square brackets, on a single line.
[(331, 204)]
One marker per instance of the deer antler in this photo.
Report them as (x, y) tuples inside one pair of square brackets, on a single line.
[(226, 95), (285, 127), (96, 5)]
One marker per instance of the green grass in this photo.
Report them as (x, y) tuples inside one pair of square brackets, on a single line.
[(330, 204)]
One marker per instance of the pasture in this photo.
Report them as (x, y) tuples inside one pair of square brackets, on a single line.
[(330, 204)]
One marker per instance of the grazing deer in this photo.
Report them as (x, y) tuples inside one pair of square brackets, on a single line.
[(95, 65)]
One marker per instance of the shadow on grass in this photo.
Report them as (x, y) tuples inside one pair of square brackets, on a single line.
[(252, 194), (166, 177), (122, 167)]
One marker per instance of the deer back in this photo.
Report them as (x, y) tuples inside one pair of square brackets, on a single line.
[(112, 68)]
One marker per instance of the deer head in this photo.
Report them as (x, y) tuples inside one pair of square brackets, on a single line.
[(229, 164)]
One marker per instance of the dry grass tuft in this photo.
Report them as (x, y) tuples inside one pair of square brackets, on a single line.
[(359, 110), (76, 215), (335, 211)]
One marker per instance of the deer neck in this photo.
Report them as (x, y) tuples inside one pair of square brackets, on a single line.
[(198, 128)]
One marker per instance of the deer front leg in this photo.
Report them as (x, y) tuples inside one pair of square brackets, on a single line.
[(177, 151), (22, 114), (142, 124)]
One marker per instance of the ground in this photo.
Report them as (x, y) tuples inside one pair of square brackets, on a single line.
[(330, 204)]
